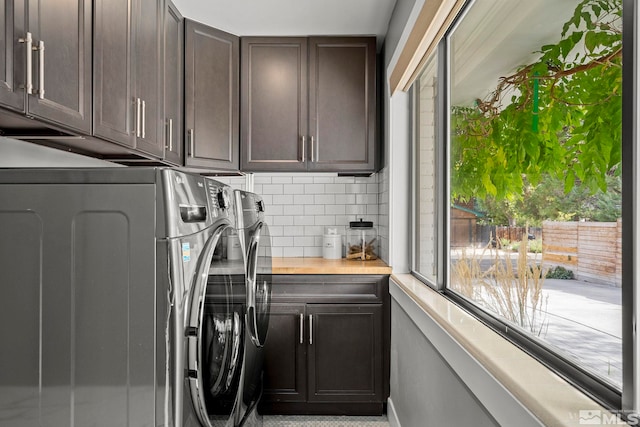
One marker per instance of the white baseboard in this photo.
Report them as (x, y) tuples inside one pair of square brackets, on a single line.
[(391, 414)]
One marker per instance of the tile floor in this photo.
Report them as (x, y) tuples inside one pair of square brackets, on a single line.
[(323, 421)]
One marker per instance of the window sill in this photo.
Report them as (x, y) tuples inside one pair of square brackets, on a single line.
[(548, 397)]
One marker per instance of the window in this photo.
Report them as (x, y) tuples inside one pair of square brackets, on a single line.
[(425, 167), (532, 174)]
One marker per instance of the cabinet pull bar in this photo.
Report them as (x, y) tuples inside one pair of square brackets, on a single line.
[(310, 329), (138, 101), (190, 137), (313, 151), (301, 328), (144, 121), (41, 76), (170, 138), (303, 150), (28, 40)]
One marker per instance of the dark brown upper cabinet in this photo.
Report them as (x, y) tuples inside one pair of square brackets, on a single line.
[(274, 104), (45, 61), (173, 84), (128, 49), (309, 104), (211, 98)]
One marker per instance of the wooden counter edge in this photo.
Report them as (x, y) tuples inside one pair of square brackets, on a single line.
[(326, 266)]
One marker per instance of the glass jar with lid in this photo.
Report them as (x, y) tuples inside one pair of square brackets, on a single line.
[(362, 241)]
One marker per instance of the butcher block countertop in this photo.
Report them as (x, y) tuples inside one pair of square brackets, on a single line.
[(328, 266)]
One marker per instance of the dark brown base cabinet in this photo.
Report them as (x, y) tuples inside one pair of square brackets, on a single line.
[(327, 351)]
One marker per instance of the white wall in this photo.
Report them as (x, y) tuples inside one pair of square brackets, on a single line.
[(21, 154)]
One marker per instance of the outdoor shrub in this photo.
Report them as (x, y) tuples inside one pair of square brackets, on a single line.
[(535, 246), (559, 272)]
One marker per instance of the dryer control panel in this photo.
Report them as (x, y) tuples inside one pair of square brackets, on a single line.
[(194, 202)]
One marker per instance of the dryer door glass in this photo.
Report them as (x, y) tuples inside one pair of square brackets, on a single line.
[(214, 331), (259, 284)]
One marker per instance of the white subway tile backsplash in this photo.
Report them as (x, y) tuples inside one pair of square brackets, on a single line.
[(335, 188), (314, 188), (323, 179), (261, 179), (281, 180), (283, 199), (356, 188), (300, 207), (282, 241), (302, 179), (295, 189), (272, 189), (312, 251), (334, 209), (303, 241), (276, 230), (345, 199), (282, 220), (303, 199), (304, 220), (293, 251), (325, 220), (314, 230), (310, 210), (324, 199), (276, 210), (296, 230), (294, 209)]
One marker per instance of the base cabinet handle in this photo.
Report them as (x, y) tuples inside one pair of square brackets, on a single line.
[(301, 328), (310, 329)]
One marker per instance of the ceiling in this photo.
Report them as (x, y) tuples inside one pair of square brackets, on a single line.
[(292, 17)]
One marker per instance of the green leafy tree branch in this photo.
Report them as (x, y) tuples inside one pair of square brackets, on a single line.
[(559, 117)]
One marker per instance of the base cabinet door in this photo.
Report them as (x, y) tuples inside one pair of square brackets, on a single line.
[(285, 367), (345, 352), (327, 350)]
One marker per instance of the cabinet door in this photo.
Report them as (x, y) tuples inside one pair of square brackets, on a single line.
[(211, 97), (12, 54), (148, 83), (285, 366), (274, 104), (345, 353), (173, 83), (342, 104), (114, 104), (62, 70)]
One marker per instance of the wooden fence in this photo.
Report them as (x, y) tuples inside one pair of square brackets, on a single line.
[(592, 250)]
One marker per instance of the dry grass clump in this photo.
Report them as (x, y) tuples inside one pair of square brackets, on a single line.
[(511, 291)]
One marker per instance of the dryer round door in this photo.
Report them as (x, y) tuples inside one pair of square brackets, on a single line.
[(214, 332), (259, 279)]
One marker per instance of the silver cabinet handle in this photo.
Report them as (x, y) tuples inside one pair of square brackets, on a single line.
[(304, 149), (301, 328), (310, 329), (28, 40), (190, 138), (138, 103), (170, 136), (41, 74), (144, 121), (313, 151)]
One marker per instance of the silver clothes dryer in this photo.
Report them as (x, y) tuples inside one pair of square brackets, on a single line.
[(255, 242)]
